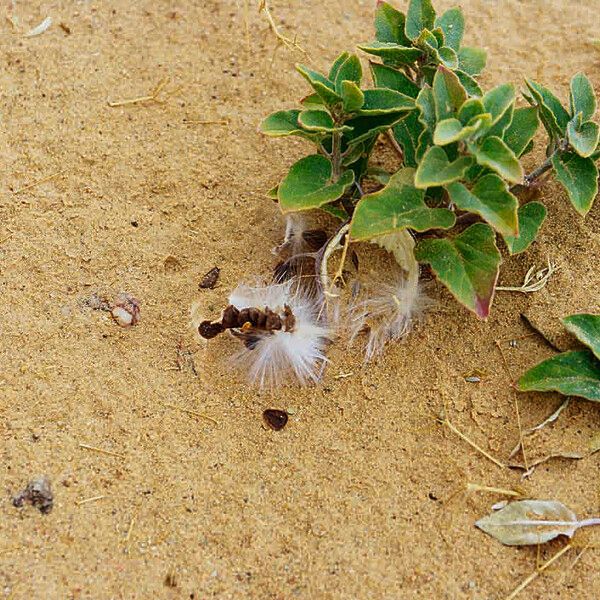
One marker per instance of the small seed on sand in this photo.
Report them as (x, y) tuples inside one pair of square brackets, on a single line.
[(275, 419)]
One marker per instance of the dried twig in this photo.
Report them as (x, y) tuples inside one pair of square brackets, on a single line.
[(88, 500), (190, 412), (153, 96), (538, 572), (206, 122), (38, 182), (534, 280), (445, 421), (287, 42), (100, 450), (474, 487)]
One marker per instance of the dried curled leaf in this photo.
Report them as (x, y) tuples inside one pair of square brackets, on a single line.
[(529, 522)]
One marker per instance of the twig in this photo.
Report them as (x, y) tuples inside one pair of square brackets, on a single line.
[(100, 450), (290, 44), (538, 572), (206, 122), (445, 421), (474, 487), (38, 182), (153, 96), (87, 500), (534, 281), (190, 412), (328, 250)]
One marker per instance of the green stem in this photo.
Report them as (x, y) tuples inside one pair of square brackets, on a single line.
[(336, 155)]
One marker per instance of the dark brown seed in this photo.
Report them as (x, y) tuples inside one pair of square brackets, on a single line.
[(209, 330), (210, 279), (275, 419), (230, 317)]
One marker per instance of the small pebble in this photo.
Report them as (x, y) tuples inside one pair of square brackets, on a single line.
[(126, 310), (38, 493)]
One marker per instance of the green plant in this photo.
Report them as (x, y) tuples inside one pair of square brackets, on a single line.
[(574, 373), (458, 184)]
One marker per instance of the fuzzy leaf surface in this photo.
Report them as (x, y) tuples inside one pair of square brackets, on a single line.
[(399, 205), (452, 23), (365, 127), (394, 53), (318, 121), (522, 129), (552, 112), (407, 134), (435, 169), (529, 522), (531, 217), (472, 60), (491, 200), (469, 83), (452, 130), (467, 265), (349, 70), (586, 328), (308, 185), (390, 24), (496, 155), (570, 373), (583, 138), (388, 77), (579, 176), (498, 101), (352, 96), (321, 84), (582, 97), (448, 93), (382, 101), (283, 123), (420, 15)]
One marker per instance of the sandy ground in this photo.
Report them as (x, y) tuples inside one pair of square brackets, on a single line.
[(360, 495)]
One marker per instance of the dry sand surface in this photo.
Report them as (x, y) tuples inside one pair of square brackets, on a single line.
[(361, 495)]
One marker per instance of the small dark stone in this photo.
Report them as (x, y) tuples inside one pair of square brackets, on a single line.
[(209, 280), (275, 419), (38, 493)]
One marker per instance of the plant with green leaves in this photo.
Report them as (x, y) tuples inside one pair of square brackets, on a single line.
[(458, 186), (575, 373)]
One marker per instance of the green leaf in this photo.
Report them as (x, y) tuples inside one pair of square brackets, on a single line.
[(469, 83), (583, 138), (586, 328), (452, 130), (448, 92), (496, 155), (467, 265), (498, 101), (399, 205), (554, 116), (531, 217), (349, 70), (407, 134), (382, 101), (472, 60), (313, 101), (388, 77), (393, 53), (308, 185), (452, 23), (435, 169), (389, 25), (365, 127), (321, 84), (582, 97), (282, 123), (579, 176), (425, 102), (522, 129), (272, 193), (319, 121), (335, 211), (337, 63), (352, 96), (570, 373), (470, 109), (420, 15), (447, 57), (490, 199)]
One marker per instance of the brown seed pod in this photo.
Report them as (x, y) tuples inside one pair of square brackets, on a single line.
[(209, 330)]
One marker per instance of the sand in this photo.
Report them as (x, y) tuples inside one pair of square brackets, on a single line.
[(360, 496)]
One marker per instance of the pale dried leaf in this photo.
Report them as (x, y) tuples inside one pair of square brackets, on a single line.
[(39, 29), (530, 522)]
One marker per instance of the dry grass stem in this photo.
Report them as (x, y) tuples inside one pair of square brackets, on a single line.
[(88, 500), (475, 487), (538, 572), (287, 42), (191, 412), (100, 450), (153, 96), (38, 182), (534, 280)]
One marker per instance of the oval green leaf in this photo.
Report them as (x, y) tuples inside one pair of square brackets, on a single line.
[(399, 205), (579, 176), (388, 77), (586, 328), (452, 23), (382, 101), (570, 373), (496, 155), (531, 217), (582, 97), (435, 169), (308, 185), (467, 265), (522, 129), (420, 15), (394, 53), (448, 93), (583, 138), (472, 60)]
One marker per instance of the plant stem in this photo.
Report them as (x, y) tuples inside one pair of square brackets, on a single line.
[(529, 179), (336, 155)]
